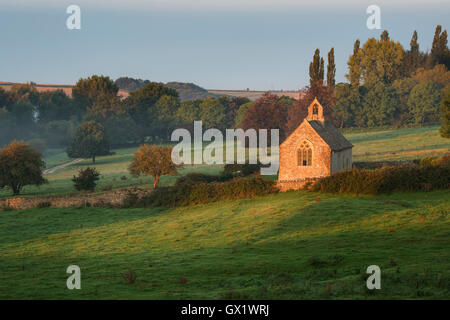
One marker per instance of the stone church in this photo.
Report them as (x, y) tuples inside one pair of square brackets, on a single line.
[(315, 149)]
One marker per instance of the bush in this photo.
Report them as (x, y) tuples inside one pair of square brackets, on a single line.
[(185, 194), (194, 178), (86, 180), (242, 170), (44, 204), (386, 180)]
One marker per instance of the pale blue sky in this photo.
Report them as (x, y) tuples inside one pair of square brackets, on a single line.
[(218, 44)]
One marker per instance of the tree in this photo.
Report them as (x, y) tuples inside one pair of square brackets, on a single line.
[(7, 126), (95, 90), (316, 69), (384, 36), (86, 179), (414, 53), (424, 101), (121, 131), (24, 93), (53, 106), (438, 75), (20, 165), (213, 113), (354, 65), (381, 61), (266, 113), (346, 104), (155, 161), (440, 53), (380, 105), (445, 113), (241, 113), (23, 112), (59, 133), (140, 104), (331, 69), (232, 109), (90, 141)]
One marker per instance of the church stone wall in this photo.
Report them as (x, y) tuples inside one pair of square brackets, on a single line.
[(321, 152)]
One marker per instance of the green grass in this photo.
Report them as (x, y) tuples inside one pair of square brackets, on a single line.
[(397, 144), (295, 245)]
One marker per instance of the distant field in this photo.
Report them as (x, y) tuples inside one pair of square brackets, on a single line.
[(397, 144), (296, 245), (369, 145)]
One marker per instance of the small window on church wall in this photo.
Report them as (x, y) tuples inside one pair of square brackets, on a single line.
[(304, 155), (315, 109)]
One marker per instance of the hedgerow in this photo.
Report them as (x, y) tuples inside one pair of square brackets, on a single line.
[(186, 194), (410, 177)]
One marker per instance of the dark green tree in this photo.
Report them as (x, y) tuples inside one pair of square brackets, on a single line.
[(331, 69), (141, 105), (86, 179), (445, 113), (440, 53), (384, 36), (354, 65), (95, 90), (89, 141), (424, 101), (316, 69)]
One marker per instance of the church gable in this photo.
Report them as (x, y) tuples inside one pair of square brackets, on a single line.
[(315, 149)]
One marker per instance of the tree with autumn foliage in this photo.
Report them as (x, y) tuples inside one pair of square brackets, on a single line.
[(20, 165), (268, 112), (155, 161)]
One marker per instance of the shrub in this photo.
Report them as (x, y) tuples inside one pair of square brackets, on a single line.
[(386, 180), (242, 170), (86, 179), (185, 194), (44, 204)]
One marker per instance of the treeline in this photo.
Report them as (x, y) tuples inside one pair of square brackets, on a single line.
[(391, 85), (148, 114), (388, 84)]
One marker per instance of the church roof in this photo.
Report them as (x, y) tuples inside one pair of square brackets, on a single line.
[(330, 134)]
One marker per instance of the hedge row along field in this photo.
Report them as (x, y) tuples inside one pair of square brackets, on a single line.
[(386, 180), (186, 193)]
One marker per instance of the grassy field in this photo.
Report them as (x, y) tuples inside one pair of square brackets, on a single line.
[(295, 245), (397, 144), (369, 145)]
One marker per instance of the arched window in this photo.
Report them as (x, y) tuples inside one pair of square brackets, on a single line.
[(315, 109), (304, 154)]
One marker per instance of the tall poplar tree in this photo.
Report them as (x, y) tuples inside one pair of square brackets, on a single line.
[(331, 69), (316, 69), (354, 65)]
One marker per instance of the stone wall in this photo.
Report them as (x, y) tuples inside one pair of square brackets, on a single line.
[(109, 199), (298, 184), (321, 152)]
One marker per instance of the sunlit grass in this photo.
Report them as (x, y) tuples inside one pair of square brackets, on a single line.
[(255, 248)]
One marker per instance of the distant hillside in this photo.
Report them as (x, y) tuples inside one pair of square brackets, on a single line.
[(130, 84), (254, 95), (186, 91), (190, 91)]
